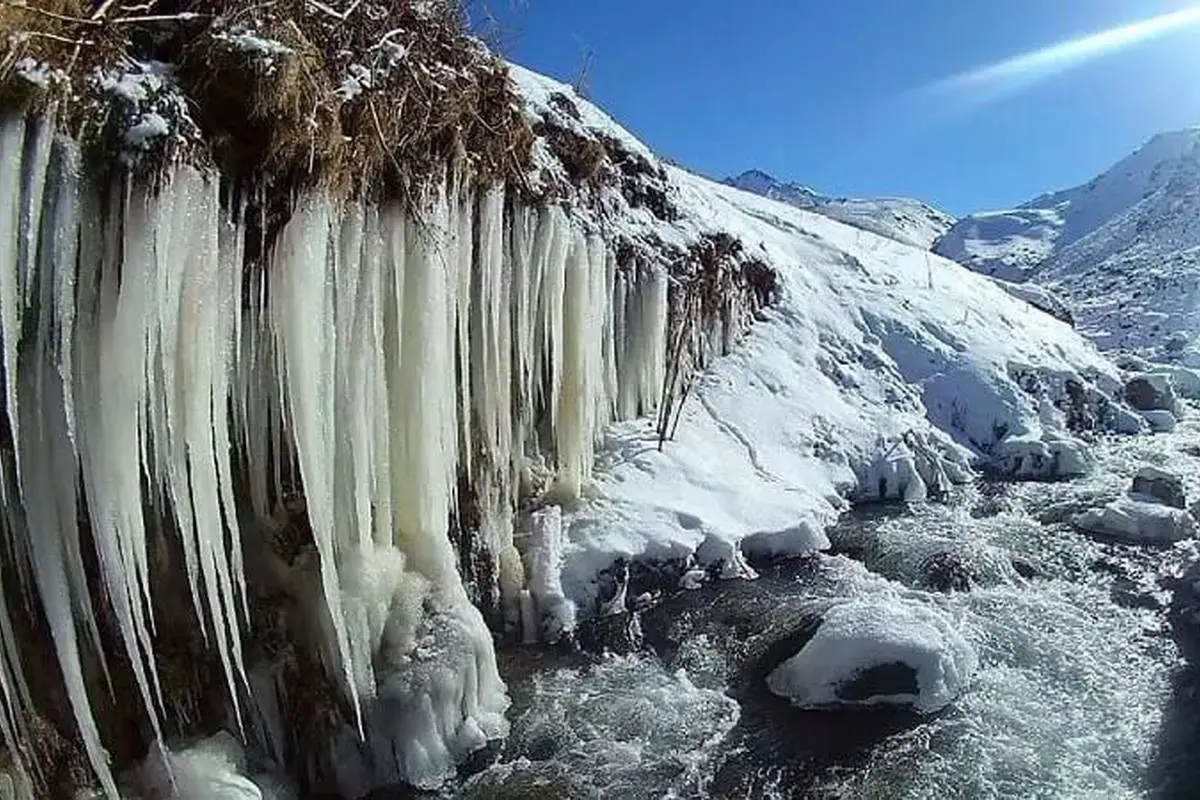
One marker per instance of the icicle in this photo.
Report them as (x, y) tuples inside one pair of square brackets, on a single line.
[(44, 450), (422, 394), (550, 310), (302, 313), (581, 366), (204, 411), (463, 269), (12, 146), (112, 384)]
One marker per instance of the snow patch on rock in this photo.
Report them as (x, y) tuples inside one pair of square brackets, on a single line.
[(1138, 521), (861, 636)]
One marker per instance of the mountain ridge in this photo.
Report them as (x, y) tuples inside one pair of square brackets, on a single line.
[(1122, 248), (906, 220)]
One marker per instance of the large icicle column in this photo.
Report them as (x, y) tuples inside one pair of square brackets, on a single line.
[(412, 377)]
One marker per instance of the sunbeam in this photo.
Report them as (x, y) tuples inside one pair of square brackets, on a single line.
[(1004, 78)]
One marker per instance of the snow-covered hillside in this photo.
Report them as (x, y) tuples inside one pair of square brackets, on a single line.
[(1122, 249), (882, 370), (900, 218)]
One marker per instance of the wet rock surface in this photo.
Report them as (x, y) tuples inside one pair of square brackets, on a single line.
[(1161, 485)]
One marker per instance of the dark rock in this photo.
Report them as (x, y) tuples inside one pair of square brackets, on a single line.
[(615, 633), (1026, 569), (1151, 393), (881, 680), (1184, 614), (1129, 594), (1161, 485), (945, 572)]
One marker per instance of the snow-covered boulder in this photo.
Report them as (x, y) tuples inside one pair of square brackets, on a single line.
[(1029, 458), (1163, 486), (878, 651), (1137, 521)]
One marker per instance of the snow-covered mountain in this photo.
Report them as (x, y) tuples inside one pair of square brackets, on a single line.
[(1123, 249), (900, 218), (881, 370)]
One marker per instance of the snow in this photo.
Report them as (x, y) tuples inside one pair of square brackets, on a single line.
[(1139, 521), (1121, 249), (869, 341), (905, 220), (1003, 244), (859, 634)]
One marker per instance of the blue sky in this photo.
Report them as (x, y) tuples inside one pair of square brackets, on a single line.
[(821, 91)]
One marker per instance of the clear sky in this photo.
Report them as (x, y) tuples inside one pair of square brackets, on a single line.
[(828, 92)]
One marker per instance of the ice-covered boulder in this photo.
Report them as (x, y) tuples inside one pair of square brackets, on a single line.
[(1138, 521), (878, 651), (555, 614), (1163, 486), (211, 768)]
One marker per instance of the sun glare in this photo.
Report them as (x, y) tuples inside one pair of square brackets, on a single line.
[(1011, 75)]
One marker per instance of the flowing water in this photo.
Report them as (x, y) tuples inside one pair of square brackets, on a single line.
[(1080, 692)]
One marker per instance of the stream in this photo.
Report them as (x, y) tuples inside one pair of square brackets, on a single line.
[(1080, 691)]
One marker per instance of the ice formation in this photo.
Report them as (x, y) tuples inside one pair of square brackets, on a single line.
[(172, 392)]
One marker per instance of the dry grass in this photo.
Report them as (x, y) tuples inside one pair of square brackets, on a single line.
[(59, 34), (356, 96)]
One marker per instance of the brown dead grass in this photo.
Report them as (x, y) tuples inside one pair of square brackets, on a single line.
[(59, 33), (437, 100)]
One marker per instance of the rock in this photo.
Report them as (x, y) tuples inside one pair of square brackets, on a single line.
[(1161, 485), (613, 633), (946, 572), (1161, 421), (1185, 614), (1026, 569), (884, 680), (1138, 522), (1029, 458), (1125, 420), (878, 651), (1152, 392)]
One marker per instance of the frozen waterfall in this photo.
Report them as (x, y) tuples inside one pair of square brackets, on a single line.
[(167, 393)]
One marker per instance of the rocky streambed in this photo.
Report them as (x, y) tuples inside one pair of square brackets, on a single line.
[(1075, 688)]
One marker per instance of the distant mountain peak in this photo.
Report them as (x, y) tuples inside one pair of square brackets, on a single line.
[(1124, 247), (905, 220)]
